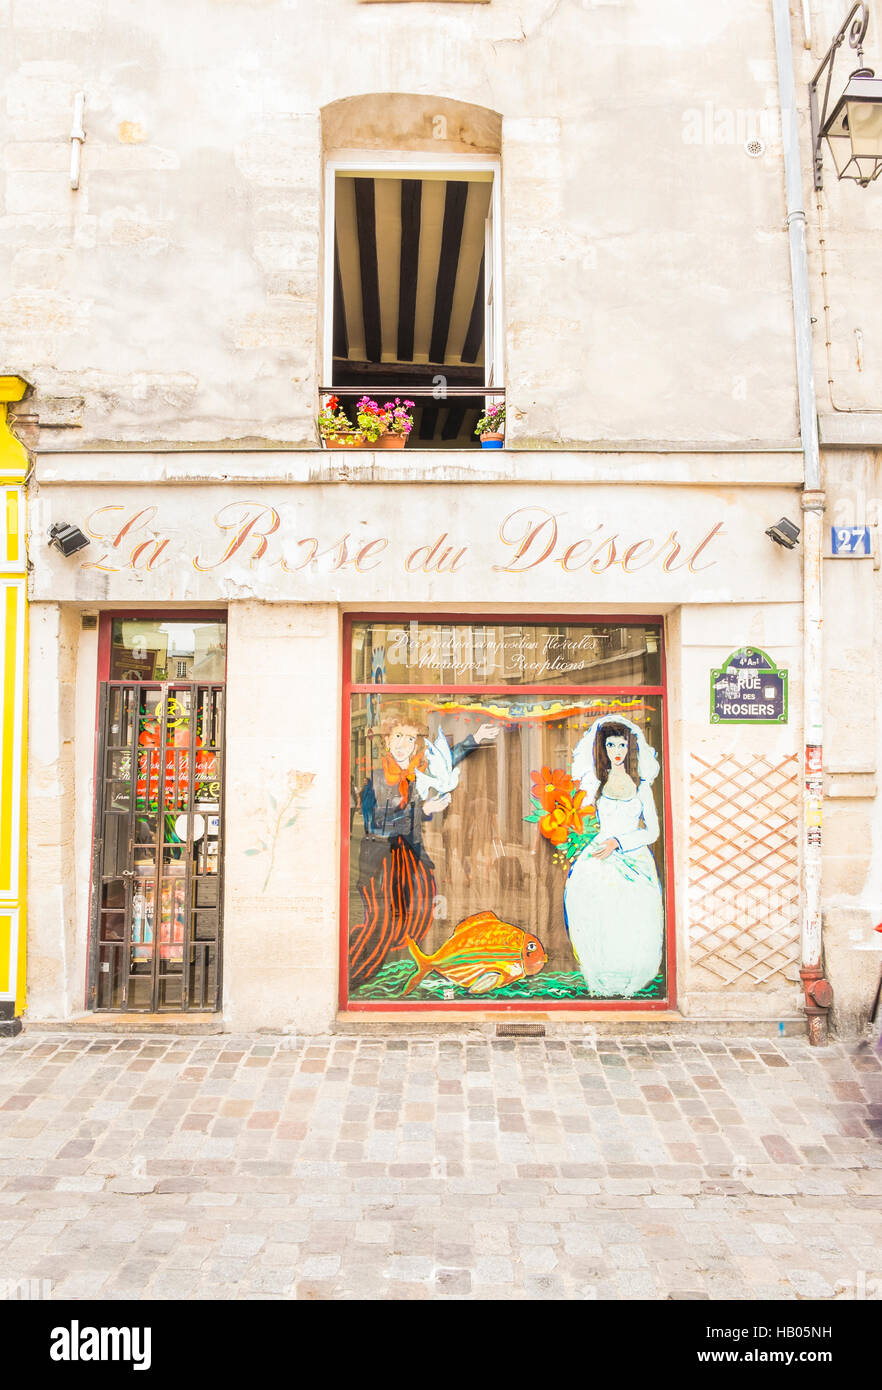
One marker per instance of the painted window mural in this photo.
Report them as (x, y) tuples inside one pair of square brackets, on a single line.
[(506, 814)]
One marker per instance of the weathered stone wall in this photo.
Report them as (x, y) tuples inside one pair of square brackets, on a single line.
[(281, 909), (739, 830), (177, 295), (57, 933)]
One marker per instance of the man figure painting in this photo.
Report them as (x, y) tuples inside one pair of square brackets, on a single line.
[(395, 874)]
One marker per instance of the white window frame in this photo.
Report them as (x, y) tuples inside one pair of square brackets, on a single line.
[(382, 164)]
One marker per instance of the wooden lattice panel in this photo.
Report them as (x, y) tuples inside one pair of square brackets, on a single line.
[(743, 871)]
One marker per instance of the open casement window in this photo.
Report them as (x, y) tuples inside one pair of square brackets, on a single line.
[(491, 374), (413, 278)]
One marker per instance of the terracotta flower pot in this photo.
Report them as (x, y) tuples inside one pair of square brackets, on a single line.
[(343, 441), (492, 441), (391, 441)]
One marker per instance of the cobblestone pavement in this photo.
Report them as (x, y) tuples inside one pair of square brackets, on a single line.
[(233, 1167)]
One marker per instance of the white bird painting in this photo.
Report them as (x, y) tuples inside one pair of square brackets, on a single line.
[(440, 776)]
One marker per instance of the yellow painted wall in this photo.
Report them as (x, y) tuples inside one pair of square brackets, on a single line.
[(13, 702)]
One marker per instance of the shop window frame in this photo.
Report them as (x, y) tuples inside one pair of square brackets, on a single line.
[(668, 1004), (106, 619)]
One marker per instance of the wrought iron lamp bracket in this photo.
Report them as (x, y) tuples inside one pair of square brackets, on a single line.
[(855, 29)]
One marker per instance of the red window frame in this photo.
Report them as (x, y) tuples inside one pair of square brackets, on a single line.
[(106, 619), (534, 1006)]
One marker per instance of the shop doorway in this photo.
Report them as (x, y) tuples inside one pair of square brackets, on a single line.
[(156, 922)]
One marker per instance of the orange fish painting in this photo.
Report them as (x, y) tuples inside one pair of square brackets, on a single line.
[(482, 954)]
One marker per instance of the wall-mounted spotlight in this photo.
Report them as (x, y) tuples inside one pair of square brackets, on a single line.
[(66, 538), (784, 532)]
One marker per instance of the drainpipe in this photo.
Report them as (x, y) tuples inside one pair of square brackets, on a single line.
[(818, 993)]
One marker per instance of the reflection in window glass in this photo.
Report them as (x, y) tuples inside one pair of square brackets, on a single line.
[(505, 848), (414, 653), (167, 651)]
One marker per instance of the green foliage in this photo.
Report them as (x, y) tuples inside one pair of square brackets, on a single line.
[(575, 842), (333, 420)]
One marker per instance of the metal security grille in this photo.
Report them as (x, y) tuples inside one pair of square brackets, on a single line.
[(158, 854)]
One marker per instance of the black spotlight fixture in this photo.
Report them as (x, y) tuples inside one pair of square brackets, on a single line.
[(66, 538), (784, 532)]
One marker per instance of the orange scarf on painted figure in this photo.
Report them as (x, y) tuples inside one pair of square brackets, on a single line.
[(402, 776)]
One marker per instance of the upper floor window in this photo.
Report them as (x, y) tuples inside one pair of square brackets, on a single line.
[(412, 279)]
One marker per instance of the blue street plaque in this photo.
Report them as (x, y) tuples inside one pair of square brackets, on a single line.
[(851, 540), (748, 689)]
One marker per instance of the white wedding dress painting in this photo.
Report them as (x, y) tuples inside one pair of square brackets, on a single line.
[(613, 906)]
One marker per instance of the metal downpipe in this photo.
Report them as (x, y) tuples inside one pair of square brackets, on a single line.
[(818, 994)]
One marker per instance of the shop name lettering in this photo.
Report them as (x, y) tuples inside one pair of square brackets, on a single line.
[(528, 538)]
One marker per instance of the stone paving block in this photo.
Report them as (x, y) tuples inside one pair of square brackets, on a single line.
[(84, 1284), (635, 1283), (623, 1257), (681, 1168), (493, 1269)]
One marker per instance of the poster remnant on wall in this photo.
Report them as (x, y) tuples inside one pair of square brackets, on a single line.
[(748, 689)]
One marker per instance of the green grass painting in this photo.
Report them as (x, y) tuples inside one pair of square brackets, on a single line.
[(559, 985)]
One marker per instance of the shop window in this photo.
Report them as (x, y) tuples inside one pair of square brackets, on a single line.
[(151, 649), (506, 815), (412, 289)]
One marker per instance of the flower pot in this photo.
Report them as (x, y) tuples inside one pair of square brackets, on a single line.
[(343, 441), (492, 441), (391, 441)]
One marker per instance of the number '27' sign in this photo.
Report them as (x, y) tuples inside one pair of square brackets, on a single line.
[(851, 540)]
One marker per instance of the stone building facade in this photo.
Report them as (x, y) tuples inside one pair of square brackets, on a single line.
[(577, 208)]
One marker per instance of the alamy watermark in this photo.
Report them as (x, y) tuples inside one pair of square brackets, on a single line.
[(863, 1286), (27, 1290), (77, 1343), (710, 124)]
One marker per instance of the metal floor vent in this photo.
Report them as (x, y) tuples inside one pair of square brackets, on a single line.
[(520, 1030)]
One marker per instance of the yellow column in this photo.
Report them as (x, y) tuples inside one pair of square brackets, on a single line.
[(13, 713)]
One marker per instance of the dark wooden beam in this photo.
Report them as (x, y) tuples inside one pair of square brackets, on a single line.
[(366, 222), (428, 421), (451, 240), (373, 375), (341, 337), (475, 333), (411, 209), (453, 423)]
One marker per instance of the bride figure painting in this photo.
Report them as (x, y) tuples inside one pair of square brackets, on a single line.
[(612, 899)]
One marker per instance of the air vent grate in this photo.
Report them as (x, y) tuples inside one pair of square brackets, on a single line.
[(520, 1030)]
